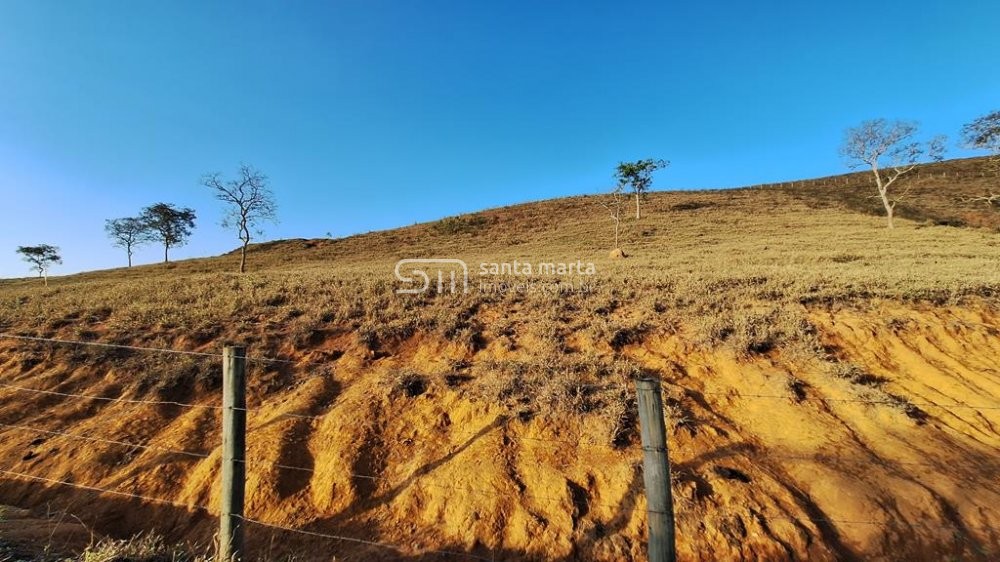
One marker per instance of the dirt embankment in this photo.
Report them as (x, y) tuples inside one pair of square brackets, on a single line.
[(885, 446)]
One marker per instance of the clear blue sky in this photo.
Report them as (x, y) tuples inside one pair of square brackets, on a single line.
[(372, 114)]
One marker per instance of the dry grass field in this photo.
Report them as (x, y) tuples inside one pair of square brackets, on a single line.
[(833, 387)]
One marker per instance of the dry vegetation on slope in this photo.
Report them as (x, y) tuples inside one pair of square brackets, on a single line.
[(819, 373)]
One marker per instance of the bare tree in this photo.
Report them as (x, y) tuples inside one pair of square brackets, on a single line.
[(877, 142), (983, 133), (638, 176), (993, 199), (168, 225), (40, 257), (127, 233), (614, 204), (250, 203)]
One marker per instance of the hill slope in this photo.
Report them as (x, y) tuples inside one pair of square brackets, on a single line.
[(832, 387)]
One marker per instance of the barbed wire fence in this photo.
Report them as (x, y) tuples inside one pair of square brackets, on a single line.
[(232, 548), (660, 516), (854, 179)]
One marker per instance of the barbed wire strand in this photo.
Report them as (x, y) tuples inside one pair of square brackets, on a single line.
[(391, 546), (107, 441), (197, 507), (737, 394), (757, 453), (398, 548), (882, 524), (825, 520), (889, 402), (39, 339), (612, 385), (573, 442), (821, 458), (551, 441), (258, 410), (417, 478), (250, 359), (192, 507), (123, 400), (554, 441), (884, 402), (116, 399)]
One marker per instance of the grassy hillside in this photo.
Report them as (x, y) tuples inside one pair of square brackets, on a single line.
[(714, 259), (934, 193), (819, 370)]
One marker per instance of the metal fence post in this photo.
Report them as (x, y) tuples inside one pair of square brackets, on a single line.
[(234, 425), (656, 471)]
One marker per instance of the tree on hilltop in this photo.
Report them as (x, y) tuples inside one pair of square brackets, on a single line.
[(40, 257), (878, 140), (637, 176), (614, 204), (127, 233), (249, 203), (168, 225), (983, 133)]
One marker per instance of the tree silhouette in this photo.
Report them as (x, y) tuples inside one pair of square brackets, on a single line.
[(249, 203), (40, 257), (168, 225)]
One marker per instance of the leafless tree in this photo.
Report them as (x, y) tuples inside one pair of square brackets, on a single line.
[(991, 200), (127, 233), (880, 142), (249, 203), (614, 204), (983, 133)]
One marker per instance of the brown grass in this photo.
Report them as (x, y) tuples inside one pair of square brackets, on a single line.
[(777, 290), (736, 264), (737, 269)]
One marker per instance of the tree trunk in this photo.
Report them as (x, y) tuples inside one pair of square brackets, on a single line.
[(130, 259), (617, 223), (165, 249), (888, 205), (636, 205), (883, 192), (243, 259)]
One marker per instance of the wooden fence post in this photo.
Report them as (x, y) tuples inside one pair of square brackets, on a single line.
[(234, 439), (656, 471)]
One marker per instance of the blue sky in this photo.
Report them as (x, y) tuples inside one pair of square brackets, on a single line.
[(372, 114)]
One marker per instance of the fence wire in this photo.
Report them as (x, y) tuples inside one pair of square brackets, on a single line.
[(414, 479)]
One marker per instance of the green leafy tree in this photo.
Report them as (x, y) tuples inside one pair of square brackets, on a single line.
[(249, 203), (168, 225), (40, 257), (638, 176)]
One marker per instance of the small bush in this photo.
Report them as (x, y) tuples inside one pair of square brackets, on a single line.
[(857, 375), (692, 205), (461, 225)]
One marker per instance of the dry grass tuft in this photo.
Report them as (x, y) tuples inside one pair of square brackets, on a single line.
[(140, 548)]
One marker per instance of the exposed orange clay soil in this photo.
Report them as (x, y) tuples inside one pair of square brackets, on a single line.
[(878, 452)]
